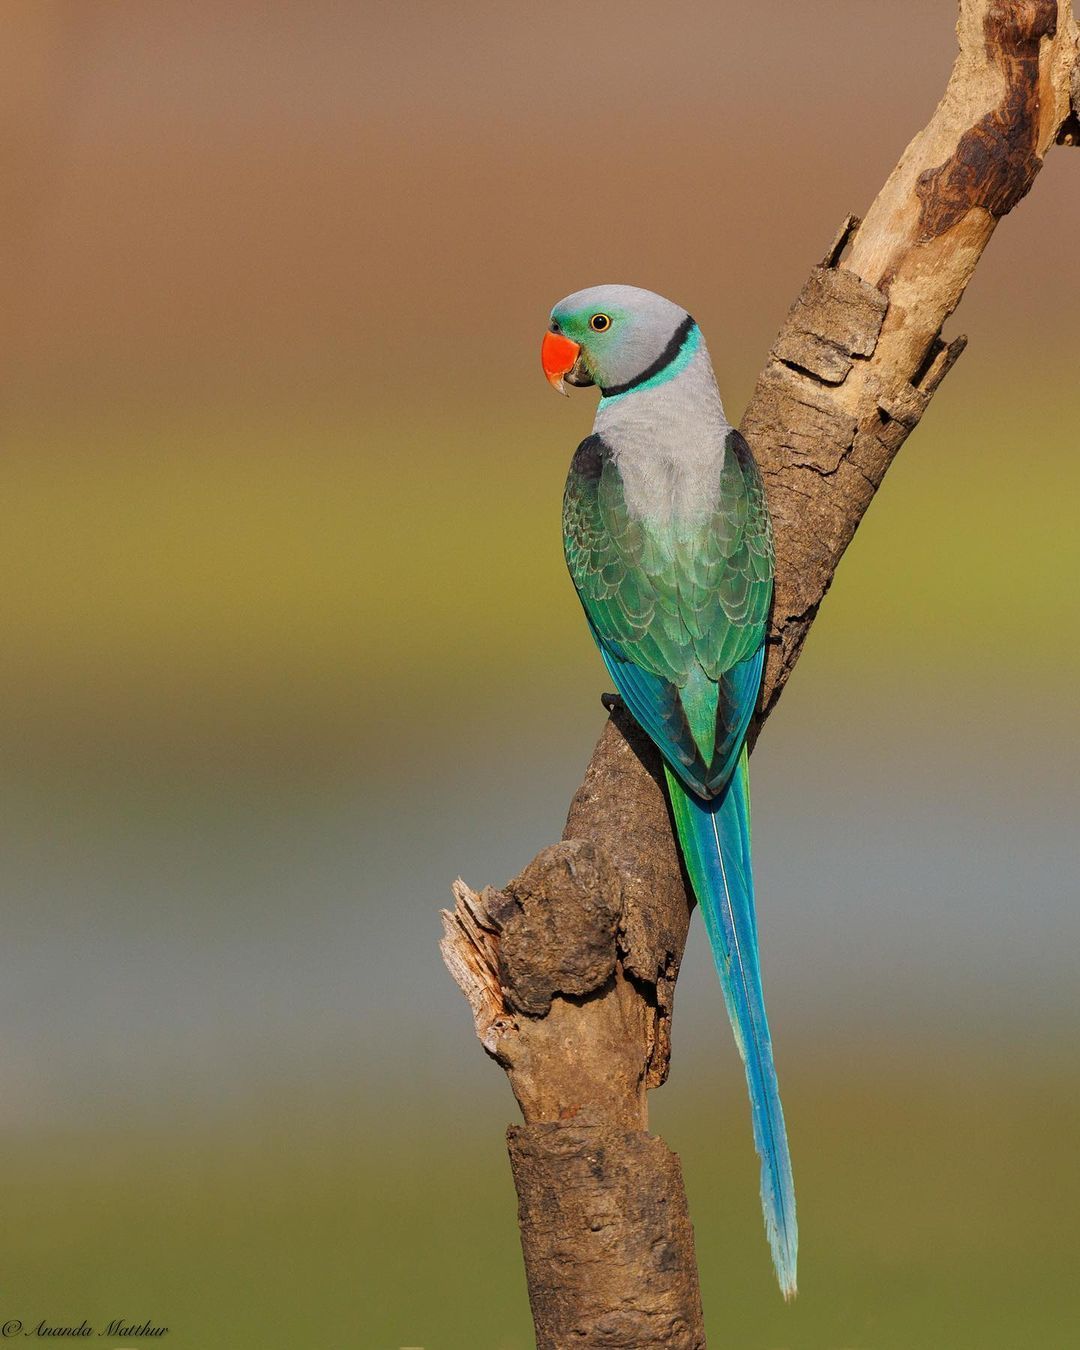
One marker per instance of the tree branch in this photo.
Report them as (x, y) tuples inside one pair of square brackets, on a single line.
[(570, 969)]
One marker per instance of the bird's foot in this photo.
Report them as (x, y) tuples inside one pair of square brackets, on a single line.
[(612, 703)]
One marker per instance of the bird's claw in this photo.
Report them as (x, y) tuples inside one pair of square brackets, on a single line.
[(612, 703)]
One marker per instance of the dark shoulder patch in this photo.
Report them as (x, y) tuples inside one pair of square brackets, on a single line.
[(737, 441), (589, 458)]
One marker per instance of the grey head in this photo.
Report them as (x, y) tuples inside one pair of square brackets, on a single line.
[(660, 417), (624, 333)]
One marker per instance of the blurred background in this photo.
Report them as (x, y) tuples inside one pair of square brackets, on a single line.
[(288, 645)]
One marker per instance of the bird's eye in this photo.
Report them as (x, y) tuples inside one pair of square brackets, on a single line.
[(600, 323)]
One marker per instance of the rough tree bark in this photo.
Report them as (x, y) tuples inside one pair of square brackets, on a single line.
[(570, 968)]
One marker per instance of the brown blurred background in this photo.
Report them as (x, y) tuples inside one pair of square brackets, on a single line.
[(288, 644)]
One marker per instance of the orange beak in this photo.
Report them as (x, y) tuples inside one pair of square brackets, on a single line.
[(557, 356)]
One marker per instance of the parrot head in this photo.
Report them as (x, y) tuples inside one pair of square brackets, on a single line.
[(611, 336)]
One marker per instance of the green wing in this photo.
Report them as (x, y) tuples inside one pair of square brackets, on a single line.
[(725, 570), (679, 615)]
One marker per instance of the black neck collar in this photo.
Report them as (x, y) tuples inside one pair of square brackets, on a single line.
[(670, 352)]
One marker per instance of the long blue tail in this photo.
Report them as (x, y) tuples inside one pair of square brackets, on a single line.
[(715, 839)]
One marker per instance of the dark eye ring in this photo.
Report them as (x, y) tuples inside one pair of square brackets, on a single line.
[(600, 323)]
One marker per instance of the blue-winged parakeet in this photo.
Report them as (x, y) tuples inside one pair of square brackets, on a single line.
[(669, 545)]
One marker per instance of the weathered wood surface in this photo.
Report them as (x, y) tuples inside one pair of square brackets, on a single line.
[(570, 969)]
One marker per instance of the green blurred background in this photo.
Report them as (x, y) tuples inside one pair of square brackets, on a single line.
[(288, 644)]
